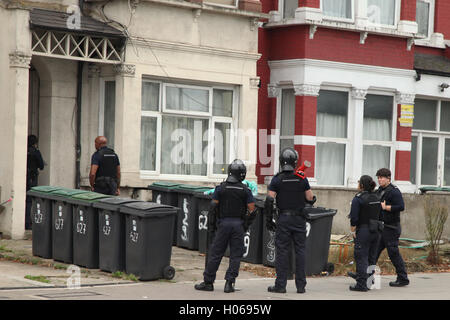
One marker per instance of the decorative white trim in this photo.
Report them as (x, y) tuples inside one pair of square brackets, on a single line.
[(405, 186), (403, 146), (358, 94), (93, 70), (126, 70), (273, 91), (363, 37), (407, 26), (405, 98), (312, 31), (254, 82), (19, 59), (308, 15), (281, 64), (305, 140), (306, 90)]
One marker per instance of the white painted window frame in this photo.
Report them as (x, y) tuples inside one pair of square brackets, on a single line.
[(347, 20), (391, 144), (185, 112), (150, 174), (442, 136), (346, 141), (430, 23), (396, 17)]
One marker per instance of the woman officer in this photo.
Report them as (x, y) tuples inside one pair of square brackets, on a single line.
[(365, 228)]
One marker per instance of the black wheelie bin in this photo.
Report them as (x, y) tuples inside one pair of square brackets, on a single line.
[(187, 225), (148, 249), (111, 233), (163, 192), (62, 235), (41, 216), (85, 229)]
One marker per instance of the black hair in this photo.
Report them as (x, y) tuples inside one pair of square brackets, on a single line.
[(32, 140), (367, 184), (384, 172)]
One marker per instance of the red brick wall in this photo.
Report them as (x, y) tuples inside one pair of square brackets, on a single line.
[(305, 115), (341, 46), (402, 165), (408, 10), (309, 3), (442, 17)]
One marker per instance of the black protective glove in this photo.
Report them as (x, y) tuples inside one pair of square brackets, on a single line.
[(213, 213), (268, 212), (312, 201), (249, 218)]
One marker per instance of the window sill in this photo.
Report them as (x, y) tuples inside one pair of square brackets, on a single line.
[(316, 19)]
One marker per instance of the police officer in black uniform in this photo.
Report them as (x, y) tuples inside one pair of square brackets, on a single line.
[(392, 204), (230, 201), (290, 192), (366, 227), (34, 164), (104, 176)]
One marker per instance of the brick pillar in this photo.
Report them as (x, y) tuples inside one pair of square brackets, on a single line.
[(403, 141), (408, 10), (407, 21), (309, 3), (305, 125)]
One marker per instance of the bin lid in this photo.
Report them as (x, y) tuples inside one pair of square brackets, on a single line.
[(188, 188), (313, 213), (201, 195), (42, 191), (112, 204), (87, 198), (148, 209), (164, 184), (45, 189)]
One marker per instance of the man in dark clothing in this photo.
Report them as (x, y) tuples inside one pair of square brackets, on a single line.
[(230, 201), (34, 164), (290, 191), (392, 204), (105, 169)]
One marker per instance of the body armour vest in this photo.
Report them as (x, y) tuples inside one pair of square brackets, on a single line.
[(232, 200), (388, 217), (291, 195), (370, 208), (107, 166)]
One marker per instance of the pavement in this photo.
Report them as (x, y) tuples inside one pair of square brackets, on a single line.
[(24, 277)]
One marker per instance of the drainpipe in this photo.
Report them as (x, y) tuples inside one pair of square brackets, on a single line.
[(78, 131)]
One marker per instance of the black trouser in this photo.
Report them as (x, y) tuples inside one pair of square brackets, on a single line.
[(290, 227), (105, 185), (366, 244), (32, 181), (389, 239), (229, 231)]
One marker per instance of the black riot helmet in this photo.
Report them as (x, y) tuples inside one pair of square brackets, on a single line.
[(236, 171), (288, 159)]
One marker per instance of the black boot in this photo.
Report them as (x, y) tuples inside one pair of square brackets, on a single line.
[(204, 286), (276, 289), (351, 274), (399, 283), (355, 287), (228, 286)]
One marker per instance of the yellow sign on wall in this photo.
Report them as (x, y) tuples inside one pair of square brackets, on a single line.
[(406, 115)]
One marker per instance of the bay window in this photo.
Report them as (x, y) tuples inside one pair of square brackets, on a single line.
[(186, 129)]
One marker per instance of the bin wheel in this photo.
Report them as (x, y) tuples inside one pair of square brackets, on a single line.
[(169, 272), (329, 267)]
